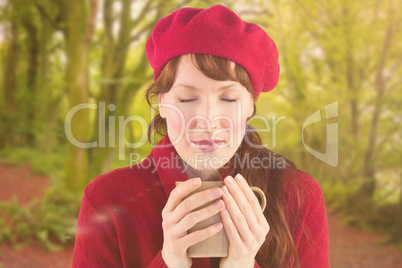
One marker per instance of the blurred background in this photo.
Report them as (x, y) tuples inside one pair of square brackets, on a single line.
[(56, 55)]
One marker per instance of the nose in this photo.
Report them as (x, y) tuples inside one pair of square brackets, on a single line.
[(206, 113)]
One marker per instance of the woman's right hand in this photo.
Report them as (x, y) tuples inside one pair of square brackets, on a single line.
[(177, 218)]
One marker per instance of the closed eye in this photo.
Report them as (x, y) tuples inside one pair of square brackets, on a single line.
[(183, 101), (190, 100), (229, 100)]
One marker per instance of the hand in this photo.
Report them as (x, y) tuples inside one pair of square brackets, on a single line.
[(244, 223), (177, 218)]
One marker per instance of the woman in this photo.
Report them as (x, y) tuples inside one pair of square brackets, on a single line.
[(209, 69)]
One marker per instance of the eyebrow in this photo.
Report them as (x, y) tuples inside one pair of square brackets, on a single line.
[(197, 89)]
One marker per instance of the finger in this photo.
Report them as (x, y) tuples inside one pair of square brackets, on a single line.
[(243, 204), (250, 196), (238, 218), (195, 201), (230, 228), (180, 192), (180, 229), (200, 235)]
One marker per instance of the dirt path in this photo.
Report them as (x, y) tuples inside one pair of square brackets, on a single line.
[(34, 257), (349, 248), (22, 183)]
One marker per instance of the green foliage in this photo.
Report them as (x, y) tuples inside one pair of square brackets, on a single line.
[(355, 209), (41, 164), (15, 156), (327, 51), (47, 165), (50, 221), (399, 247), (337, 194)]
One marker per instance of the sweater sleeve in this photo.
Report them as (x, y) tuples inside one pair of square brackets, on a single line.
[(95, 245), (313, 249), (96, 242), (158, 261)]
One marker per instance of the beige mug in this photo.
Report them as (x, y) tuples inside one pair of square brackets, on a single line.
[(218, 244)]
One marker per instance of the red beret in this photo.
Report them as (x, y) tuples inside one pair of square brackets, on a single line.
[(216, 31)]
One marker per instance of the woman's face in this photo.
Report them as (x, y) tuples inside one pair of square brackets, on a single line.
[(206, 119)]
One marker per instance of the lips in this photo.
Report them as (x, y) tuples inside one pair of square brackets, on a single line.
[(208, 142), (207, 146)]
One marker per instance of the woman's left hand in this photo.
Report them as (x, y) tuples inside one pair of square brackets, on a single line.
[(243, 221)]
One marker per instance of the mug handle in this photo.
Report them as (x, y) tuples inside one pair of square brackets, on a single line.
[(262, 195)]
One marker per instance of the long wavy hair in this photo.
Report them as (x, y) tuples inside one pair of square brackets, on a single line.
[(278, 249)]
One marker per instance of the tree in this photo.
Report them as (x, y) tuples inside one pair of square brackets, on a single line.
[(80, 23)]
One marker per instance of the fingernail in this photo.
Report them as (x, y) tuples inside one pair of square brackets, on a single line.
[(225, 190), (196, 181), (229, 180), (218, 204), (218, 225), (216, 192), (239, 177)]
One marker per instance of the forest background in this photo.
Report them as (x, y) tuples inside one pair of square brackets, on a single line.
[(340, 62)]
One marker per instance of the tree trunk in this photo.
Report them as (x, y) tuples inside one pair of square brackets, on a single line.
[(43, 105), (10, 87), (368, 187), (31, 88), (396, 235), (108, 94), (78, 41), (296, 79), (350, 74), (113, 71)]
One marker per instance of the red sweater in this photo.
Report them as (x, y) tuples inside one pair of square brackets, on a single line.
[(120, 222)]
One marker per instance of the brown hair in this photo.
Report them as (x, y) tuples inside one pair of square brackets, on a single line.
[(279, 247)]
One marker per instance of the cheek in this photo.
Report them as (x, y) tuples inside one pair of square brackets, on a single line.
[(175, 121), (235, 124)]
